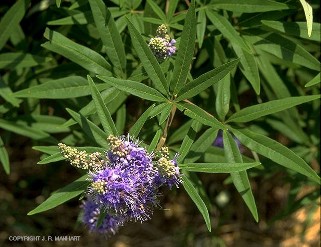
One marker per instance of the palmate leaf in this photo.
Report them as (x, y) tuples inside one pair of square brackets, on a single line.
[(85, 57), (4, 157), (240, 179), (11, 19), (90, 129), (194, 195), (65, 88), (206, 80), (253, 112), (108, 33), (248, 6), (217, 167), (148, 60), (102, 111), (275, 151), (185, 52), (136, 88), (62, 195)]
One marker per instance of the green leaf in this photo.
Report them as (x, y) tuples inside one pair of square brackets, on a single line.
[(78, 18), (188, 140), (314, 81), (253, 112), (218, 167), (223, 96), (249, 6), (58, 2), (103, 112), (200, 115), (193, 193), (65, 88), (165, 113), (18, 60), (155, 141), (11, 19), (4, 157), (200, 146), (226, 28), (276, 152), (135, 88), (308, 12), (121, 119), (7, 95), (158, 11), (240, 179), (136, 128), (47, 149), (85, 57), (62, 195), (284, 48), (185, 52), (52, 158), (248, 67), (90, 129), (201, 27), (148, 60), (206, 80), (298, 29), (171, 9), (23, 128), (109, 33)]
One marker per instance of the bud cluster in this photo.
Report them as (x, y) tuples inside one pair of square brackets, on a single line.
[(162, 45)]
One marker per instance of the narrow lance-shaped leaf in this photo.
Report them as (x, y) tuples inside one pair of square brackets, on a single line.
[(223, 96), (276, 152), (206, 80), (308, 15), (253, 112), (314, 81), (136, 88), (90, 129), (148, 60), (85, 57), (193, 193), (201, 27), (240, 179), (21, 60), (200, 115), (108, 33), (188, 140), (249, 67), (158, 11), (136, 128), (4, 157), (62, 195), (217, 167), (64, 88), (226, 28), (103, 112), (11, 19), (185, 52)]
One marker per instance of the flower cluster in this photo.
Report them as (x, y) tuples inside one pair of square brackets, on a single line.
[(124, 182), (162, 45)]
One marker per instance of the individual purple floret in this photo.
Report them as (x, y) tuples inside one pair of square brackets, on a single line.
[(219, 141), (109, 224)]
